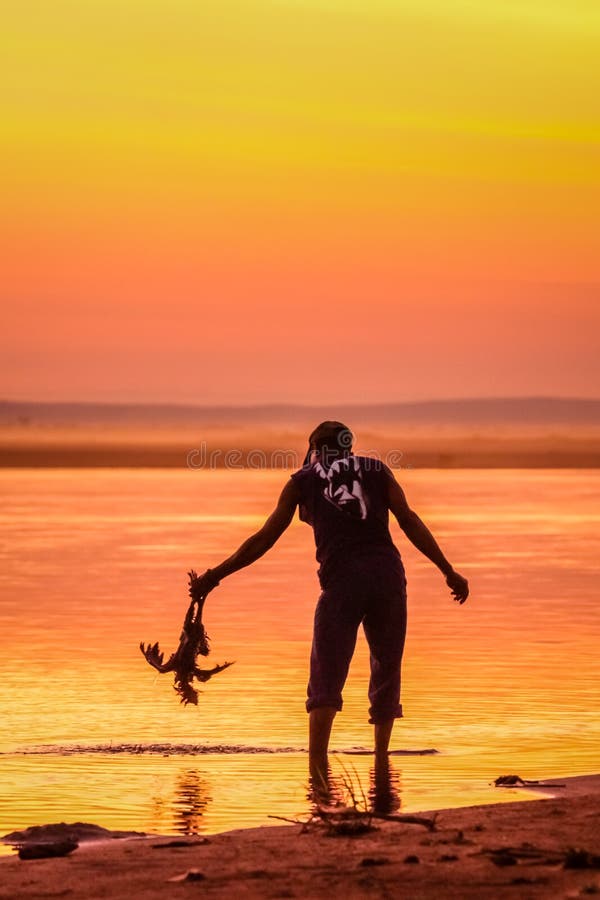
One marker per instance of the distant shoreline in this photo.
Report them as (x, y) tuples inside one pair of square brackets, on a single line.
[(138, 456), (483, 411), (523, 433)]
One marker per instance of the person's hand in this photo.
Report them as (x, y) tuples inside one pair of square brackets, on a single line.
[(201, 585), (458, 585)]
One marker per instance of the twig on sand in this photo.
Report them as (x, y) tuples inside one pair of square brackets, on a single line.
[(291, 821), (573, 858), (425, 821), (349, 820)]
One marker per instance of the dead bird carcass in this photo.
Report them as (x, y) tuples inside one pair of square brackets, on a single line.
[(192, 644)]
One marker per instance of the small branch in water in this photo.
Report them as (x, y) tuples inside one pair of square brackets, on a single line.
[(517, 781)]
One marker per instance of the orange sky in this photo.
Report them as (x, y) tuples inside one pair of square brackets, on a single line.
[(283, 199)]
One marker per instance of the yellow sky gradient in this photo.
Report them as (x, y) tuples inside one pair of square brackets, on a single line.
[(248, 201)]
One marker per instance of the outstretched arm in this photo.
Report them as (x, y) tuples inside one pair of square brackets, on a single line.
[(256, 545), (419, 534)]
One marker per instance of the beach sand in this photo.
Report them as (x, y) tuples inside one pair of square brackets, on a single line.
[(396, 860)]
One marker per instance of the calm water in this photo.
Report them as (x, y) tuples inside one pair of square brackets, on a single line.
[(94, 561)]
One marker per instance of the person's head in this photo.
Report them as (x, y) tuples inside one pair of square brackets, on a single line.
[(329, 441)]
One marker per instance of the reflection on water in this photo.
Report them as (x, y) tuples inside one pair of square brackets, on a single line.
[(179, 806), (384, 791), (92, 562), (191, 800), (346, 788)]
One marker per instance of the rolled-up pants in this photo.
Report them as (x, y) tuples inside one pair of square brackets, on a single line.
[(376, 596)]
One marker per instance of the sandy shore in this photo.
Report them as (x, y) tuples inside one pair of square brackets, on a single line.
[(518, 850)]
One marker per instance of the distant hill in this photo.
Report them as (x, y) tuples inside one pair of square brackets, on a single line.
[(542, 411)]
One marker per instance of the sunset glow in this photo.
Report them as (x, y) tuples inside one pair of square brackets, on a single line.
[(261, 200)]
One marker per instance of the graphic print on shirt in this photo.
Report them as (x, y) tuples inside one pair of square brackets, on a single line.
[(344, 486)]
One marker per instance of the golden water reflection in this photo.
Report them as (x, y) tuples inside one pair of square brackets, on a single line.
[(92, 562), (192, 796)]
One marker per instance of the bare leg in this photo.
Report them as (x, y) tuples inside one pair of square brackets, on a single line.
[(320, 722), (383, 733)]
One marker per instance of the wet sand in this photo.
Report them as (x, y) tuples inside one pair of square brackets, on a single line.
[(521, 850)]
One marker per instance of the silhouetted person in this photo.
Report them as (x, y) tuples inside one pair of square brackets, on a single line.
[(346, 499)]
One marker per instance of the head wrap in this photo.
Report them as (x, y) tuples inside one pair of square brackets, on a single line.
[(331, 440), (338, 468)]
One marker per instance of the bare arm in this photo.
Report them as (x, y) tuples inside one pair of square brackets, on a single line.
[(257, 544), (419, 534)]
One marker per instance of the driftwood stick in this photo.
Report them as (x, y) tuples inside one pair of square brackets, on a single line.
[(517, 781), (523, 852), (408, 819), (330, 816), (285, 819)]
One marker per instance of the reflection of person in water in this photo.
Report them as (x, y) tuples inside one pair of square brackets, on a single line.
[(346, 499), (343, 790), (191, 800), (384, 790)]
